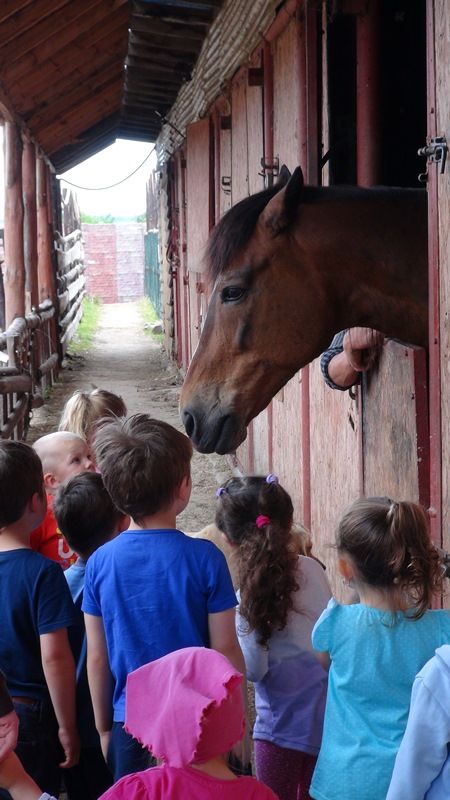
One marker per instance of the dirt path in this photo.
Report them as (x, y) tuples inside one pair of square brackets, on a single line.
[(125, 360)]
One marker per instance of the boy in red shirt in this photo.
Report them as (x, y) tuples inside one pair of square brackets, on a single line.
[(62, 454)]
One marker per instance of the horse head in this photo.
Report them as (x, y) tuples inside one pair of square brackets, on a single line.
[(251, 343), (291, 266)]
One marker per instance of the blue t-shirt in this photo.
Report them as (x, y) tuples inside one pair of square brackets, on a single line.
[(154, 590), (77, 637), (373, 665), (34, 599)]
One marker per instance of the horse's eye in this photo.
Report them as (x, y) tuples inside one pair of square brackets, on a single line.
[(231, 294)]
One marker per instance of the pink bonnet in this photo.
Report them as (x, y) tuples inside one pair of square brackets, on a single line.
[(186, 707)]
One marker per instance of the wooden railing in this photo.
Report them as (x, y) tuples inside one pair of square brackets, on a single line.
[(32, 347)]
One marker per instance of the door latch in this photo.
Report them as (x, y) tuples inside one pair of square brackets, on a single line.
[(436, 153)]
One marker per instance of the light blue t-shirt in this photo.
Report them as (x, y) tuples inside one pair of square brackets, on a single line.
[(374, 662), (154, 590)]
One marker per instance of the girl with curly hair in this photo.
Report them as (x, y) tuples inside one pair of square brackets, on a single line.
[(281, 596), (377, 646)]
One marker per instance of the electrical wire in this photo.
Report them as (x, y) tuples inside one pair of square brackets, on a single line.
[(103, 188)]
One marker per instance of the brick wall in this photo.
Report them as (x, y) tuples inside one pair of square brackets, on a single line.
[(114, 261)]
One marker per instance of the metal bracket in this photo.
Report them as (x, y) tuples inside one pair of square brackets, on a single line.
[(436, 153), (269, 170), (226, 184)]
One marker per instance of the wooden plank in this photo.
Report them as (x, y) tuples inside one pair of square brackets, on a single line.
[(239, 142), (25, 18), (86, 14), (442, 88), (286, 98), (77, 95), (395, 425), (56, 135), (107, 38), (198, 192)]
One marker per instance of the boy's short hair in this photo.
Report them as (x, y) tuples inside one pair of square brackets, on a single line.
[(143, 461), (21, 477), (85, 513)]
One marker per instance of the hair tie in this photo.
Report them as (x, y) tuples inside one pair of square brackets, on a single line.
[(260, 521), (221, 490), (271, 479)]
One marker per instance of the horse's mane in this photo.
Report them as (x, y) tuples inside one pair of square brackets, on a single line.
[(235, 228), (233, 231)]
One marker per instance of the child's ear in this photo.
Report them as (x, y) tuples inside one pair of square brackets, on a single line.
[(50, 482), (184, 489), (123, 523), (228, 541), (345, 568)]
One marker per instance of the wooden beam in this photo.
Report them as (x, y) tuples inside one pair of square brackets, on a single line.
[(10, 7), (66, 26), (45, 273), (182, 32), (14, 266), (30, 226)]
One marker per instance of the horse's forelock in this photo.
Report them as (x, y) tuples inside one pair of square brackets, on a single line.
[(234, 230)]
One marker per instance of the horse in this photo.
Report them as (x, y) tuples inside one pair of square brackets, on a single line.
[(291, 266)]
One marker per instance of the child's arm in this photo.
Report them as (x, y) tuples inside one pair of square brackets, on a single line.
[(101, 682), (59, 670), (223, 638), (16, 781)]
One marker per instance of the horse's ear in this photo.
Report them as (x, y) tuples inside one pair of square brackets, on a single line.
[(283, 176), (281, 210)]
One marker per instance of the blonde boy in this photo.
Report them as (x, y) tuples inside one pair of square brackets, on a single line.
[(62, 454)]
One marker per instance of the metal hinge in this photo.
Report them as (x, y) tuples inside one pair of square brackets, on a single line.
[(436, 153)]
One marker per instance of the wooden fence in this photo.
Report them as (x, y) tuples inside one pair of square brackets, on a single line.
[(31, 349)]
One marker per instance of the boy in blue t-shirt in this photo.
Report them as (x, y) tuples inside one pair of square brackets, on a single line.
[(37, 609), (153, 589), (87, 518)]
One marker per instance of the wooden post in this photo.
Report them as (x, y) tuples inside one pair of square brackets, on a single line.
[(30, 226), (14, 266), (45, 276)]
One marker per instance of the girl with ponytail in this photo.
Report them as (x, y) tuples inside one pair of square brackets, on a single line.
[(281, 595), (376, 647)]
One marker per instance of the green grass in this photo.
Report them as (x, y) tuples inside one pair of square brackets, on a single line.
[(149, 315), (88, 326)]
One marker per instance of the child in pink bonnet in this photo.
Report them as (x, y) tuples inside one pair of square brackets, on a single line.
[(193, 718)]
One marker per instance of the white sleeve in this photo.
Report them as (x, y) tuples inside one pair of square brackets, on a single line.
[(424, 748)]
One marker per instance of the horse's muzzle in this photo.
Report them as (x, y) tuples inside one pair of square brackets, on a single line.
[(212, 433)]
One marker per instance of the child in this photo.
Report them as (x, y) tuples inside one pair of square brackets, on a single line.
[(62, 454), (37, 609), (84, 410), (9, 721), (187, 709), (376, 646), (87, 518), (422, 766), (282, 594), (151, 590)]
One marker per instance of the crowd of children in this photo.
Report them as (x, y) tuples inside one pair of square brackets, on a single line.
[(121, 642)]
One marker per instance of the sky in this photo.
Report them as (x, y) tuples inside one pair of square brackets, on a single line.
[(105, 169)]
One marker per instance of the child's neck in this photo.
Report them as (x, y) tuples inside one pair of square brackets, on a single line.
[(380, 599), (162, 520), (14, 537), (216, 768)]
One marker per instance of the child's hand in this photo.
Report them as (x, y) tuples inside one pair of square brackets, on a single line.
[(70, 742), (9, 728), (104, 743), (16, 781)]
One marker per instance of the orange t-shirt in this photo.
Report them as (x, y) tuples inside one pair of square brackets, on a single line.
[(48, 540)]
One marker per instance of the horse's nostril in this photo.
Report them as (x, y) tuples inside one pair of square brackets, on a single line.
[(188, 422)]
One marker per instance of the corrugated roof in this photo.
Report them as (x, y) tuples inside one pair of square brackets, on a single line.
[(77, 74)]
